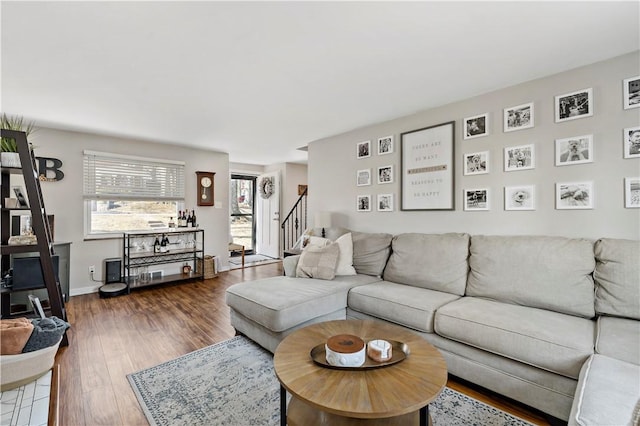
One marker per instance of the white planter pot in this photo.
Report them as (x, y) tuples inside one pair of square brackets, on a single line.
[(10, 159)]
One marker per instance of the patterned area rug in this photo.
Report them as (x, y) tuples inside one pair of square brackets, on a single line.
[(233, 383)]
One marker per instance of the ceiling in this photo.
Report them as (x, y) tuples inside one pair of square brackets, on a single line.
[(259, 80)]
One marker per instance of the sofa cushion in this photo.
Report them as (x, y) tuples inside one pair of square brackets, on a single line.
[(433, 261), (545, 339), (410, 306), (279, 303), (370, 252), (617, 277), (551, 273), (619, 338), (318, 262), (607, 394)]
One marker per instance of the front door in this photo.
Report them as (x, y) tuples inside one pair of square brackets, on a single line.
[(268, 214), (242, 211)]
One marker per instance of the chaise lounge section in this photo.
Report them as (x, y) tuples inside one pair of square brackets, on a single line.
[(540, 319)]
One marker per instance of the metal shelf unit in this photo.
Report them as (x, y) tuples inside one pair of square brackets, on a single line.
[(185, 246)]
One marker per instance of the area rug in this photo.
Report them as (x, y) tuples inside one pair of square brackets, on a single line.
[(233, 383), (252, 258)]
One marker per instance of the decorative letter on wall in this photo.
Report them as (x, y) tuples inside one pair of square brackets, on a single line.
[(47, 165)]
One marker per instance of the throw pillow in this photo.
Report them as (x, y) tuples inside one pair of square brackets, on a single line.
[(317, 242), (318, 262), (345, 261), (14, 334)]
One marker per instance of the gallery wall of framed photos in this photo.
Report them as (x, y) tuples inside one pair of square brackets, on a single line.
[(559, 155)]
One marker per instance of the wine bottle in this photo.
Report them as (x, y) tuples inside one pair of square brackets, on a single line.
[(163, 244), (189, 221), (156, 246), (172, 224), (184, 218), (179, 219), (193, 219)]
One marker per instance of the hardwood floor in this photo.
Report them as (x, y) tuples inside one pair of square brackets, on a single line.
[(110, 338)]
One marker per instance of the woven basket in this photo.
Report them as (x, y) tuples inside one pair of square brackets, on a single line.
[(209, 267)]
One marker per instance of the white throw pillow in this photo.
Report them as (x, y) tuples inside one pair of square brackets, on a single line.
[(317, 242), (345, 261)]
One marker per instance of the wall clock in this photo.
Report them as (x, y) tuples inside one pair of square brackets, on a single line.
[(205, 188)]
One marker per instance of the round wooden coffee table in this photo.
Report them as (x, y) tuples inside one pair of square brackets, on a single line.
[(395, 394)]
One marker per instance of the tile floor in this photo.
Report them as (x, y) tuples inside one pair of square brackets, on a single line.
[(27, 405)]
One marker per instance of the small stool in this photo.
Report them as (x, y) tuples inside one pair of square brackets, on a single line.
[(237, 247)]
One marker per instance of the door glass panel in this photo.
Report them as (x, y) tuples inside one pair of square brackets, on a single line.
[(242, 211)]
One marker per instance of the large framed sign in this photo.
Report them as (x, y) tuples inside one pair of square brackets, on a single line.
[(427, 168)]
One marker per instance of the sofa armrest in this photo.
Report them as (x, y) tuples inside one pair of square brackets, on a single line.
[(289, 264)]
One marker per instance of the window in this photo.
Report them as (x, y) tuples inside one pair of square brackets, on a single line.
[(126, 193)]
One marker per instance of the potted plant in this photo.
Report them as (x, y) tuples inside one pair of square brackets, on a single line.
[(9, 155)]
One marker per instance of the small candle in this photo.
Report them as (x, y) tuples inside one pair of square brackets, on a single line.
[(379, 350)]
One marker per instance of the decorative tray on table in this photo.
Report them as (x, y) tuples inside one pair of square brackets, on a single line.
[(400, 351)]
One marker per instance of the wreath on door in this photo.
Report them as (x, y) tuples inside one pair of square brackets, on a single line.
[(266, 187)]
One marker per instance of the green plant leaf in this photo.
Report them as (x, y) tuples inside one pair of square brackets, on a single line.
[(14, 123)]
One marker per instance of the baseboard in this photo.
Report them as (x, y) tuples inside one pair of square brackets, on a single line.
[(84, 290)]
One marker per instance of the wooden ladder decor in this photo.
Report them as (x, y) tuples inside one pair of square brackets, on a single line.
[(40, 226)]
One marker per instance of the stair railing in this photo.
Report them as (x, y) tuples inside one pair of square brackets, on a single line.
[(295, 223)]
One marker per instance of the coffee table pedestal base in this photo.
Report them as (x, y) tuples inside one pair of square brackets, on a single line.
[(301, 414)]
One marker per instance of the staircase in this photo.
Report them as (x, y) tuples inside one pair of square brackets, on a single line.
[(294, 224)]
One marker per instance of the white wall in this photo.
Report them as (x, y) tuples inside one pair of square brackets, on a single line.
[(294, 175), (64, 198), (246, 169), (332, 163)]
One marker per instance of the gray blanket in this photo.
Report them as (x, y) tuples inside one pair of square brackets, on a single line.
[(46, 332)]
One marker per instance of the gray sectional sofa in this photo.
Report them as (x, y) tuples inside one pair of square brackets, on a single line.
[(548, 321)]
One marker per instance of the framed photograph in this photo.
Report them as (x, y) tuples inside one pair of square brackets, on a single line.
[(519, 158), (22, 199), (574, 195), (574, 150), (363, 203), (518, 117), (363, 149), (385, 174), (21, 225), (36, 306), (631, 92), (571, 106), (476, 163), (363, 177), (475, 127), (476, 199), (632, 192), (385, 145), (520, 197), (632, 142), (427, 157), (385, 202)]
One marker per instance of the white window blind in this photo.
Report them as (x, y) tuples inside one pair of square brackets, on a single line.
[(121, 177)]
